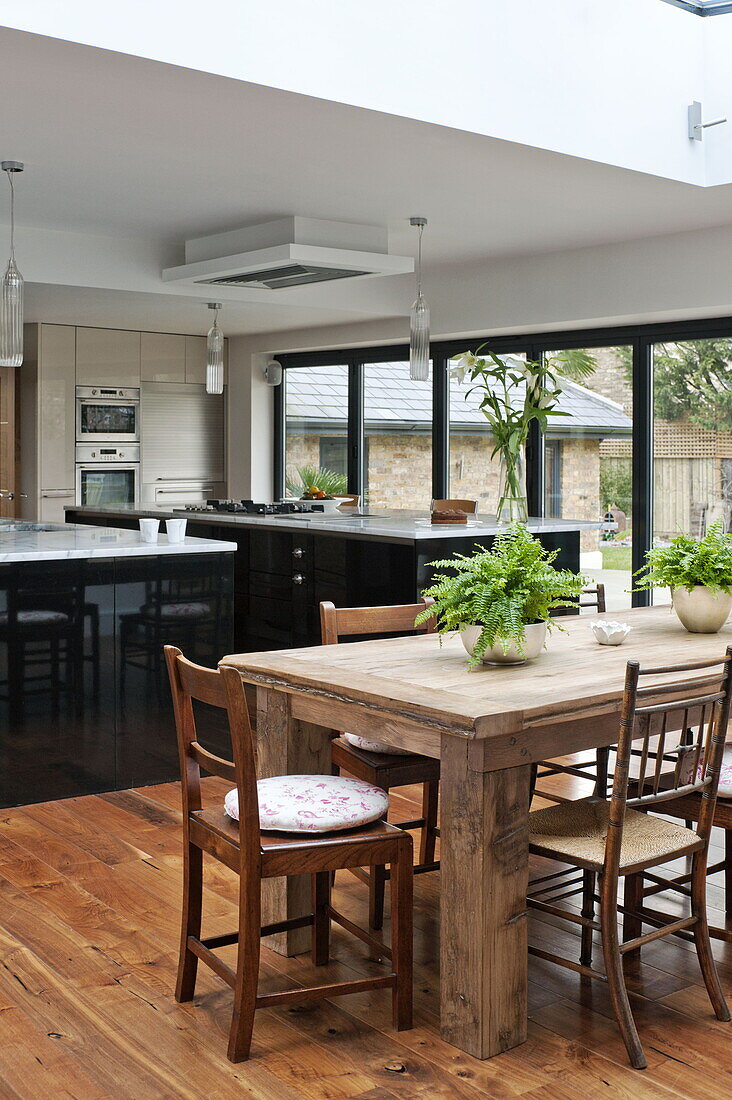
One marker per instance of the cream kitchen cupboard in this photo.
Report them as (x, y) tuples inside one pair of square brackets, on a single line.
[(47, 422), (107, 357), (196, 359), (163, 357)]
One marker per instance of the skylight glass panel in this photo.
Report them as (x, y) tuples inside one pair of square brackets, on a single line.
[(703, 7)]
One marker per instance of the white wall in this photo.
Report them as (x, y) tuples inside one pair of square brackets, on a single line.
[(608, 80), (250, 434)]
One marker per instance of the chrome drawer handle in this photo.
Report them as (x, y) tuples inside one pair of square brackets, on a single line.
[(298, 578), (298, 552)]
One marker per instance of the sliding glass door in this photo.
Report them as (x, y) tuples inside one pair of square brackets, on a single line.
[(588, 462), (316, 428), (692, 439)]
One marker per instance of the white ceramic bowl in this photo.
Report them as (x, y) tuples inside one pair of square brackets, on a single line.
[(610, 632), (321, 506)]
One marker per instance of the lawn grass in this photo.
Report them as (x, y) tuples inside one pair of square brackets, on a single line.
[(616, 557)]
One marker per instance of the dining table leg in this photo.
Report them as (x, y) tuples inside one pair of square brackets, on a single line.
[(484, 855), (287, 746)]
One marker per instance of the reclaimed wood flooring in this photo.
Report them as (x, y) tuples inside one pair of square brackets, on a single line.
[(89, 910)]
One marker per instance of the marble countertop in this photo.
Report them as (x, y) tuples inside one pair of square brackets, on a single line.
[(51, 541), (394, 526)]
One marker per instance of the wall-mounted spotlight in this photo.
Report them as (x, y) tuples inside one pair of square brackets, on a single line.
[(273, 373)]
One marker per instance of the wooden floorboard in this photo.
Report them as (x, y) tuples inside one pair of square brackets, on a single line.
[(89, 909)]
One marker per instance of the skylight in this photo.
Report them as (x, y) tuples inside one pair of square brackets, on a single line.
[(703, 7)]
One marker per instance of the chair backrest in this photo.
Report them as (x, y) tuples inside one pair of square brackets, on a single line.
[(470, 507), (593, 596), (656, 728), (343, 622), (222, 688)]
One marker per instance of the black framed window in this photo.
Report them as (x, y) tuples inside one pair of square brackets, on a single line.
[(628, 473)]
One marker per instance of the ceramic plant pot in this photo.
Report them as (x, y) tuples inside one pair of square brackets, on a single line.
[(702, 611), (533, 645)]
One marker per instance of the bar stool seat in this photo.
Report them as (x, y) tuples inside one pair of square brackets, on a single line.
[(36, 615)]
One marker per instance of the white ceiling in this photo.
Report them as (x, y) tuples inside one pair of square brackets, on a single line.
[(133, 149)]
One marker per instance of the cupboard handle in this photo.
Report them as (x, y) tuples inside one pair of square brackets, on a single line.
[(298, 578), (298, 552)]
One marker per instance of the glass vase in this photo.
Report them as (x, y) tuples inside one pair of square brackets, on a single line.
[(512, 506)]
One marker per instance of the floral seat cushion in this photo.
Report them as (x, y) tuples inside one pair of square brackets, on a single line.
[(38, 615), (374, 746), (183, 610), (314, 803), (725, 773)]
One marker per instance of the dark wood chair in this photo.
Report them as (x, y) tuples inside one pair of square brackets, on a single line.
[(689, 809), (380, 765), (256, 855), (612, 840), (596, 767)]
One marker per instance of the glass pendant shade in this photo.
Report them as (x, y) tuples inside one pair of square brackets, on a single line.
[(419, 341), (419, 320), (11, 291), (11, 316), (215, 359)]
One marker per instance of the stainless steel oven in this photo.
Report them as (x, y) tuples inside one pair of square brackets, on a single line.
[(107, 415), (106, 474)]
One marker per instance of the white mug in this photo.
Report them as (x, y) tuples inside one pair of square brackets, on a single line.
[(149, 530), (176, 529)]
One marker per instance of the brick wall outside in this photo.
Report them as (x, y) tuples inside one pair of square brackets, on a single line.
[(400, 472)]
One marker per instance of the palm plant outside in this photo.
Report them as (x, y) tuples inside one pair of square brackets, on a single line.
[(306, 476)]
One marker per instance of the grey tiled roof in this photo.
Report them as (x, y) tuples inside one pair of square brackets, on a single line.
[(318, 395)]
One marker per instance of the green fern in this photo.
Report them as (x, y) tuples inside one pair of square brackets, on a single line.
[(503, 590)]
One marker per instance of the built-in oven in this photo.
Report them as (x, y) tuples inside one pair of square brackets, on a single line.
[(108, 475), (107, 415)]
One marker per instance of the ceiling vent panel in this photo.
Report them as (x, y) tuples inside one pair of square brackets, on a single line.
[(290, 252)]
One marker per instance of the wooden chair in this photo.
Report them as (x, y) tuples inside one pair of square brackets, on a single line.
[(612, 840), (689, 809), (379, 764), (255, 855), (470, 507), (596, 768)]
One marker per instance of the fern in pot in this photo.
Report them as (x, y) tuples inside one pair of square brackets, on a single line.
[(500, 600), (699, 574)]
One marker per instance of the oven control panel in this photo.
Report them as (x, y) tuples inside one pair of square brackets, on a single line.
[(101, 452)]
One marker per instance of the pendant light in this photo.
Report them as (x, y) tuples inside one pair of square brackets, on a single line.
[(419, 322), (11, 293), (215, 354)]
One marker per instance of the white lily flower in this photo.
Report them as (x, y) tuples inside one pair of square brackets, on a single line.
[(515, 363), (546, 400), (463, 364)]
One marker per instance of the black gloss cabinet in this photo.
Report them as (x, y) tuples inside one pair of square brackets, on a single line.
[(84, 699), (281, 575)]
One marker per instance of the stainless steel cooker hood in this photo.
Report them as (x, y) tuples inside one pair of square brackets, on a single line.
[(289, 252)]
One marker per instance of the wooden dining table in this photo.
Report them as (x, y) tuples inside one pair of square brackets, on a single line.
[(487, 726)]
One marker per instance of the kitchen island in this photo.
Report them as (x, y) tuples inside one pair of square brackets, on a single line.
[(84, 613), (286, 564)]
